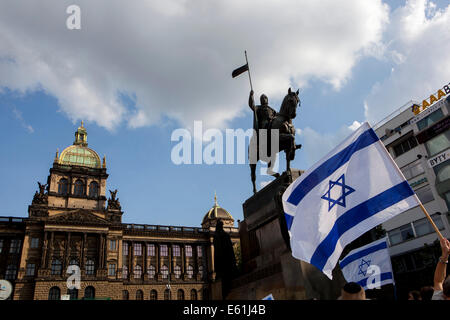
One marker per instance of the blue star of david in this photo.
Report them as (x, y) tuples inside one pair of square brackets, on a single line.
[(361, 266), (346, 190)]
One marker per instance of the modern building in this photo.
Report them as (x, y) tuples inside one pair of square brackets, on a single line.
[(418, 138), (72, 228)]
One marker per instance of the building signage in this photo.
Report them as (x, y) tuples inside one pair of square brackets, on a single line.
[(429, 110), (439, 158), (416, 109), (418, 182)]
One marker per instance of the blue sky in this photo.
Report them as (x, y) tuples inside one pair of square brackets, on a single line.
[(136, 82)]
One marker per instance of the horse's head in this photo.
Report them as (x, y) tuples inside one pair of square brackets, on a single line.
[(289, 104)]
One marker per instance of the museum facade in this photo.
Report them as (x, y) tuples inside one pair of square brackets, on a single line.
[(71, 225)]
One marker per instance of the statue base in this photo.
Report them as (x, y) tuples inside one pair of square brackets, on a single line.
[(267, 263)]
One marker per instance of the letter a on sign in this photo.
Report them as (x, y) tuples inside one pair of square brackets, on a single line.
[(74, 20)]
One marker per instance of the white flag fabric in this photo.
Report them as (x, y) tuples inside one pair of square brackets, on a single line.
[(354, 188), (369, 266)]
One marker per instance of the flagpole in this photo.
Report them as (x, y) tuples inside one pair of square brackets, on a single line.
[(249, 77)]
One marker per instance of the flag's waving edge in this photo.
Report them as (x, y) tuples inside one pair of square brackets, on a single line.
[(354, 188)]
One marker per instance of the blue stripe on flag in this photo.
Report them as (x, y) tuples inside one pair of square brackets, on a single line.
[(362, 253), (354, 216), (383, 276), (331, 165), (289, 220)]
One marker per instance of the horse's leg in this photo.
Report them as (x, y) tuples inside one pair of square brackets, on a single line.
[(253, 174)]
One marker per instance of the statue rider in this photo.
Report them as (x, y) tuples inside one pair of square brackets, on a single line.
[(264, 112)]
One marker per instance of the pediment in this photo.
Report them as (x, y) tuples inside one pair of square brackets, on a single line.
[(78, 216)]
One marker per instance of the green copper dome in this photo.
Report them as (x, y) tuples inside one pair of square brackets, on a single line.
[(79, 154)]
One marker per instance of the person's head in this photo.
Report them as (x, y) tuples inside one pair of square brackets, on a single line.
[(426, 292), (414, 295), (353, 291), (446, 288), (264, 100)]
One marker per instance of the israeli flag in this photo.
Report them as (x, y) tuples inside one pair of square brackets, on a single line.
[(354, 188), (369, 266)]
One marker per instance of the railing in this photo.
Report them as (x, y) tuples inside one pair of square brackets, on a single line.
[(12, 219), (145, 227)]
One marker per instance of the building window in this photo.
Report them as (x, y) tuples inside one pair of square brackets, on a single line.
[(430, 119), (15, 246), (177, 271), (113, 245), (151, 250), (90, 267), (63, 187), (125, 295), (405, 146), (153, 295), (125, 249), (201, 272), (151, 271), (200, 251), (205, 294), (73, 262), (139, 295), (93, 189), (11, 272), (124, 272), (413, 169), (31, 267), (163, 250), (167, 294), (73, 293), (180, 294), (438, 143), (176, 250), (54, 294), (423, 226), (188, 251), (89, 292), (79, 188), (193, 294), (164, 272), (137, 249), (190, 271), (1, 245), (137, 271), (112, 269), (56, 267), (442, 171), (401, 234), (34, 243), (425, 194)]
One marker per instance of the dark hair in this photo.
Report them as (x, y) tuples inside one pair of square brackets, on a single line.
[(446, 287), (415, 294), (352, 287), (426, 292)]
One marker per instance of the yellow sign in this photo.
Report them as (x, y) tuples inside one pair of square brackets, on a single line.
[(433, 98)]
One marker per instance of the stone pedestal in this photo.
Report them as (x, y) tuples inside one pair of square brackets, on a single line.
[(268, 265)]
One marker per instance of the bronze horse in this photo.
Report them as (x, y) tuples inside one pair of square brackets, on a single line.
[(286, 135)]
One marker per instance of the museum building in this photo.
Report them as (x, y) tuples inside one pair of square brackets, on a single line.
[(72, 223)]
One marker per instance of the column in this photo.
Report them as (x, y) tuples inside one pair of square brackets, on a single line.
[(183, 259), (144, 255), (67, 251), (44, 251), (50, 255), (131, 255), (83, 250), (169, 252)]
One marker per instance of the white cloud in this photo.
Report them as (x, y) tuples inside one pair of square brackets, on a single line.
[(19, 116), (175, 57), (418, 44), (319, 144), (355, 125)]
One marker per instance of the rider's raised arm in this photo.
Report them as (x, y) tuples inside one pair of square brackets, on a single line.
[(251, 101)]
